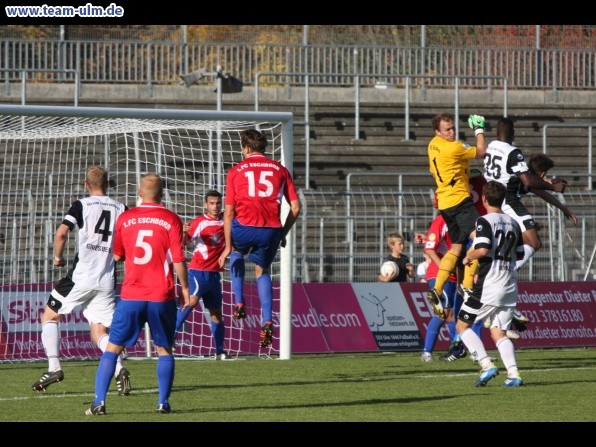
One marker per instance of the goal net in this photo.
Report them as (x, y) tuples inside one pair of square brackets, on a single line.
[(45, 152)]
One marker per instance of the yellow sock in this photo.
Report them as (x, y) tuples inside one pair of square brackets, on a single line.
[(469, 272), (446, 268)]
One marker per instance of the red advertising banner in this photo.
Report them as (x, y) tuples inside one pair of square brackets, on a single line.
[(415, 297), (562, 314)]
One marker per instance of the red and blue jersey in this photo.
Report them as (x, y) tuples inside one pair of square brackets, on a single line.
[(149, 238), (256, 187), (207, 235)]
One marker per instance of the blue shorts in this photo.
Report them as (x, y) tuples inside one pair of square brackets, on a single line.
[(260, 243), (130, 317), (449, 292), (206, 285)]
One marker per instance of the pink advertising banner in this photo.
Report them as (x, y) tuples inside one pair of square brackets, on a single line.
[(336, 311), (329, 317), (562, 314)]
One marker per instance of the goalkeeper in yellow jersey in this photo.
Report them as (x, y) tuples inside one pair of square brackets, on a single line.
[(449, 163)]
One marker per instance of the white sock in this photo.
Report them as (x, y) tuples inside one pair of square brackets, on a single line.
[(528, 253), (476, 348), (102, 343), (50, 339), (507, 353)]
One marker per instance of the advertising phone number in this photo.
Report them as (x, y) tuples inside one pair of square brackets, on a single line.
[(554, 316)]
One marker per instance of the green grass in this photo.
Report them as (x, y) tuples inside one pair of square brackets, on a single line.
[(560, 386)]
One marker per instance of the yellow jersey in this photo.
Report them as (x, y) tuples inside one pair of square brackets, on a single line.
[(449, 163)]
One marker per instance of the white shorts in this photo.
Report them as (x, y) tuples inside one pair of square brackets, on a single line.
[(520, 214), (98, 305), (492, 316)]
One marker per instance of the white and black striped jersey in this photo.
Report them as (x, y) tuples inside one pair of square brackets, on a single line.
[(96, 218), (497, 278), (503, 163)]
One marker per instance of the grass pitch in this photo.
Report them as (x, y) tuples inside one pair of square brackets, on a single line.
[(560, 386)]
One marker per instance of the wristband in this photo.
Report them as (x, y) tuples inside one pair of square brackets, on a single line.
[(478, 131), (58, 259)]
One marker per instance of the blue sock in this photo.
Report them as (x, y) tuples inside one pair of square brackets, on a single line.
[(218, 330), (237, 276), (181, 316), (266, 296), (432, 332), (103, 376), (453, 335), (165, 377), (477, 328)]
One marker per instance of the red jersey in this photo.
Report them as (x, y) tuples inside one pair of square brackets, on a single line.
[(476, 184), (207, 235), (255, 186), (438, 240), (149, 237)]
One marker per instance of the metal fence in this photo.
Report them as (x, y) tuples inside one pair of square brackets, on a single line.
[(162, 63), (341, 235)]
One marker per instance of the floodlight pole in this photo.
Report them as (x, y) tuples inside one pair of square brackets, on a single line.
[(219, 75)]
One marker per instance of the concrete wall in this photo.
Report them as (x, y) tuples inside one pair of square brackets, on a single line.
[(180, 96)]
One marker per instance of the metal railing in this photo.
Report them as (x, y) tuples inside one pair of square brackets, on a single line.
[(159, 63), (23, 77), (356, 82), (335, 248), (590, 128)]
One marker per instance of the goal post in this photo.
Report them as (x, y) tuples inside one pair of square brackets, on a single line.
[(46, 151)]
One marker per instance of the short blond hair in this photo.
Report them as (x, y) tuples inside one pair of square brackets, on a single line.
[(97, 178), (151, 188), (394, 237)]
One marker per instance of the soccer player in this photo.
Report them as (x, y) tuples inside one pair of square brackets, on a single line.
[(497, 245), (395, 242), (206, 234), (506, 164), (449, 164), (436, 243), (90, 282), (255, 188), (149, 241)]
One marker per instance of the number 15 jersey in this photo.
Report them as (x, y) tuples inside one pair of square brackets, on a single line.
[(256, 186)]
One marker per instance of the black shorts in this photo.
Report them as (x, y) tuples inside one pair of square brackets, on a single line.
[(460, 220)]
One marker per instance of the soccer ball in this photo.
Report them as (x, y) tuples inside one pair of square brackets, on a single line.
[(389, 268)]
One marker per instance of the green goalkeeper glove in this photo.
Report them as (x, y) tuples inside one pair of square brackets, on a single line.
[(476, 123)]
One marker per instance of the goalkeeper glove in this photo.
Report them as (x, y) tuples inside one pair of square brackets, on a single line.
[(476, 123)]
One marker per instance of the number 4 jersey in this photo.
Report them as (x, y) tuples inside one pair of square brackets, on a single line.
[(256, 186), (96, 217)]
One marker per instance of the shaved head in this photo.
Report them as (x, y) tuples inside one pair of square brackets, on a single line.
[(151, 188)]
